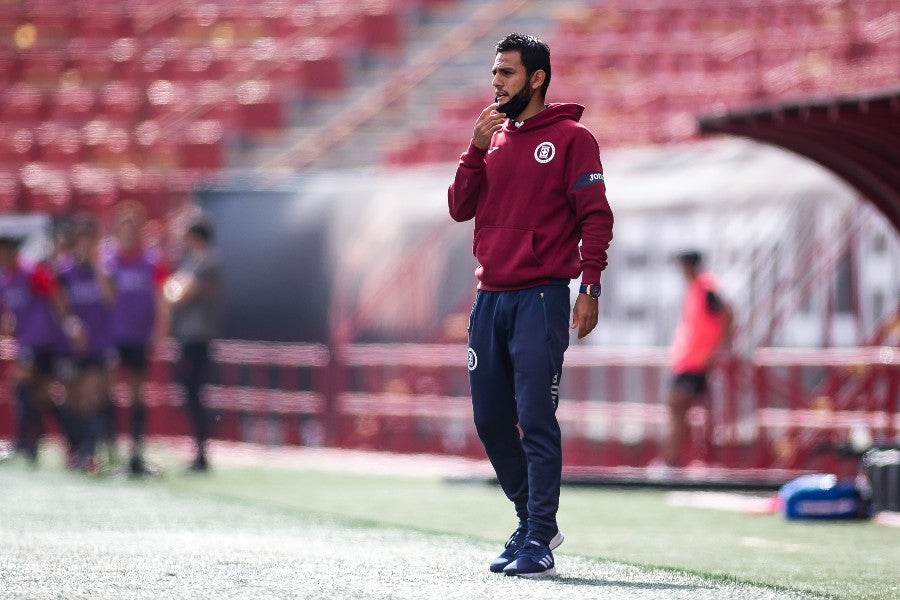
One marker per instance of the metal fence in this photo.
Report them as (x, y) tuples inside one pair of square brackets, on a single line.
[(781, 409)]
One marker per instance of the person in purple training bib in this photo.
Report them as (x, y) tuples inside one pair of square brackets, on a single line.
[(35, 312), (90, 297), (136, 277)]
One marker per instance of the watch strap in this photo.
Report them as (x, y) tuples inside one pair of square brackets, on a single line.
[(591, 289)]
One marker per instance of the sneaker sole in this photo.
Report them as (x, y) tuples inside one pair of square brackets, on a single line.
[(555, 543), (557, 540), (498, 568), (551, 572)]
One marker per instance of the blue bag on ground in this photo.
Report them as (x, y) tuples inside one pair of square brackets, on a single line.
[(822, 496)]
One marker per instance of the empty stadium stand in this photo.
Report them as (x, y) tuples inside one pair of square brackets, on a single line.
[(645, 68), (100, 100)]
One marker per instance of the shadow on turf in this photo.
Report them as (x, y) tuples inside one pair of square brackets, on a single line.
[(640, 585)]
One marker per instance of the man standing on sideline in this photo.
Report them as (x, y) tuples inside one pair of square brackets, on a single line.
[(193, 294), (90, 297), (136, 324), (34, 310), (532, 179), (704, 328)]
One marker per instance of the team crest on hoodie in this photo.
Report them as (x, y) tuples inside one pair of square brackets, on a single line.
[(544, 152)]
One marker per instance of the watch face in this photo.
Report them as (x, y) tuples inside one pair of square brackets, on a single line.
[(595, 291)]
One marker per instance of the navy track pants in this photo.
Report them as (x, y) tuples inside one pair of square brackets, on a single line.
[(516, 345)]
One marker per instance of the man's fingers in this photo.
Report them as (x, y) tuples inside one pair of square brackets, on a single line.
[(491, 124), (487, 124), (586, 324), (583, 330), (488, 109)]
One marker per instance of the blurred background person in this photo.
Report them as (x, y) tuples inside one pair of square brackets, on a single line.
[(704, 330), (136, 277), (63, 243), (193, 293), (36, 314), (90, 297)]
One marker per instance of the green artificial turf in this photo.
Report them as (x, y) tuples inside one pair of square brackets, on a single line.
[(279, 532), (844, 559)]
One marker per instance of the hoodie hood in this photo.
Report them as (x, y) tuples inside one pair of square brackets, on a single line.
[(551, 115)]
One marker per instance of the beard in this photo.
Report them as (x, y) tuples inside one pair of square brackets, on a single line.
[(513, 107)]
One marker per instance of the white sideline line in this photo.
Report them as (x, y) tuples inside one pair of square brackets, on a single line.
[(887, 517), (725, 501)]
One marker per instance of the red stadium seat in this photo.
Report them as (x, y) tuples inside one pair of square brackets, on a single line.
[(9, 192), (197, 64), (213, 100), (116, 148), (58, 146), (203, 146), (157, 147), (73, 104), (45, 189), (123, 54), (17, 145), (102, 19), (9, 67), (90, 61), (121, 102), (95, 188), (259, 107), (322, 67), (53, 22), (246, 22), (22, 104), (43, 67), (157, 62), (164, 97), (381, 27)]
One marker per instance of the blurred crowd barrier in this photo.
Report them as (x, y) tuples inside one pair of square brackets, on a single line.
[(786, 410)]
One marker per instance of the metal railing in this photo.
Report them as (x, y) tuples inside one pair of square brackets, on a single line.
[(771, 411)]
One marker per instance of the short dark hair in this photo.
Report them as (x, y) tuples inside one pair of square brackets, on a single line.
[(690, 258), (202, 230), (11, 241), (84, 224), (535, 54)]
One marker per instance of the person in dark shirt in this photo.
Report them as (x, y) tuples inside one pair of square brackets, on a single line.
[(193, 294)]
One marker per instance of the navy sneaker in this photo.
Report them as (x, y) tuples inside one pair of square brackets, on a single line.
[(534, 560), (512, 547)]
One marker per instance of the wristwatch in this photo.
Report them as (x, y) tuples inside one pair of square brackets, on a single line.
[(591, 289)]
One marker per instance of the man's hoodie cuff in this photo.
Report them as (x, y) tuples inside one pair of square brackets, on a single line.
[(473, 156), (589, 275)]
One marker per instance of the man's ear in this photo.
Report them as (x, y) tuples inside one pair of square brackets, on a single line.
[(537, 79)]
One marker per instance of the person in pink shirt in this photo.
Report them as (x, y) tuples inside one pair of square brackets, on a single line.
[(702, 332)]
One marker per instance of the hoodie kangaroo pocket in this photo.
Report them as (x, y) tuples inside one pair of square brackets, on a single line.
[(507, 256)]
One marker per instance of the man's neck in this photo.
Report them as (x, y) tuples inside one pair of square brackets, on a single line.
[(534, 107)]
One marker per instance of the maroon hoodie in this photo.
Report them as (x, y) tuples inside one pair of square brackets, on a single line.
[(535, 192)]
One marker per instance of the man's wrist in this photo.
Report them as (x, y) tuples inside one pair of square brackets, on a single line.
[(590, 289)]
